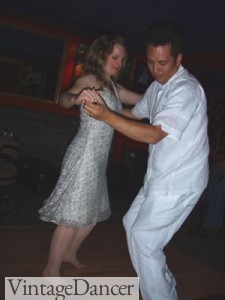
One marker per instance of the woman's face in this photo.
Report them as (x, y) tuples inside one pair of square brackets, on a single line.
[(115, 60)]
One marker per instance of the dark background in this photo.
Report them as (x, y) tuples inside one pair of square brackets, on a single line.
[(202, 21)]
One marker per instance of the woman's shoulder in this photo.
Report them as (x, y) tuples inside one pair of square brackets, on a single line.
[(88, 80)]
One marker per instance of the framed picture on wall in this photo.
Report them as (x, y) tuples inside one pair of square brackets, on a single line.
[(127, 71), (32, 80), (28, 68), (142, 76)]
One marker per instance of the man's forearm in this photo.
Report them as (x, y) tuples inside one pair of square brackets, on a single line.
[(133, 129)]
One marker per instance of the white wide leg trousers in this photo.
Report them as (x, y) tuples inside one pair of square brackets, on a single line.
[(150, 223)]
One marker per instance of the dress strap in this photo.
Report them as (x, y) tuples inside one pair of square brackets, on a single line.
[(115, 89)]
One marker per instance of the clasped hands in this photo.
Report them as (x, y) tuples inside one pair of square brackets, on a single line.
[(94, 105)]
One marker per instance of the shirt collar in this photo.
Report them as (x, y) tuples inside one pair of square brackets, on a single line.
[(179, 71)]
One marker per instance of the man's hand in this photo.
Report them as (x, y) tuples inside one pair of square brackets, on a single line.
[(95, 106)]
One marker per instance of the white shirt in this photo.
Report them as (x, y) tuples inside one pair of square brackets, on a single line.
[(179, 162)]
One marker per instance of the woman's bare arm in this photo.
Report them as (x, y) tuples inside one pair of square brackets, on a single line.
[(128, 96), (72, 97)]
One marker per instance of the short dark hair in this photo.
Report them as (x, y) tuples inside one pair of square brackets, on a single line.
[(165, 33)]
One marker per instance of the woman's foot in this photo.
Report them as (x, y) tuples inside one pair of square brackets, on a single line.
[(74, 261), (48, 273)]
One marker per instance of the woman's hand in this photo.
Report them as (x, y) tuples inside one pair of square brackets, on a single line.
[(85, 95)]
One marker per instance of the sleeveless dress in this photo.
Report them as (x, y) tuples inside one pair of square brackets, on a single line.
[(80, 196)]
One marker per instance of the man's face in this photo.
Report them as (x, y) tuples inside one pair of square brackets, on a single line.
[(162, 63)]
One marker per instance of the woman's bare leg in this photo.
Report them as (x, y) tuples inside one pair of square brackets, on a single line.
[(61, 240), (79, 235)]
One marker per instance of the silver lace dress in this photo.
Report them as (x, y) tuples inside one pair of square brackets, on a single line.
[(80, 196)]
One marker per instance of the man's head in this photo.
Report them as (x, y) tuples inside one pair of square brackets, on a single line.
[(164, 33), (164, 51)]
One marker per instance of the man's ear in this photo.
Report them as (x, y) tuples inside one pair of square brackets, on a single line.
[(179, 59)]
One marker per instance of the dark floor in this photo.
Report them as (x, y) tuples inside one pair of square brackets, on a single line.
[(19, 204)]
